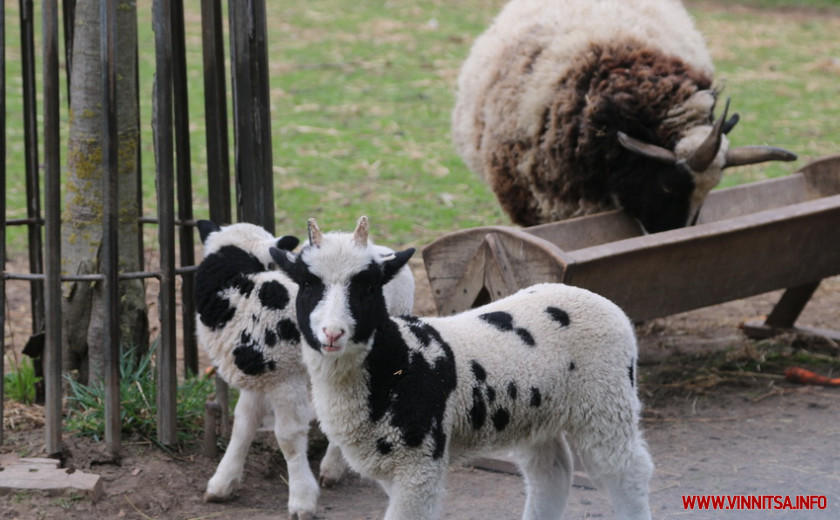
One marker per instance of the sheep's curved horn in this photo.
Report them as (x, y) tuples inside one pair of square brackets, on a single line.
[(648, 150), (360, 236), (706, 152), (315, 235), (743, 155)]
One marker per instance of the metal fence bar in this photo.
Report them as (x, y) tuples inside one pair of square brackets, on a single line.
[(252, 115), (166, 357), (30, 139), (110, 241), (52, 200), (186, 234)]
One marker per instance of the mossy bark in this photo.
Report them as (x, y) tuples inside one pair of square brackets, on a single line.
[(82, 220)]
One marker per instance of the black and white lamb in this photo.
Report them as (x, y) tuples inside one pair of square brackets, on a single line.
[(248, 328), (567, 108), (405, 396)]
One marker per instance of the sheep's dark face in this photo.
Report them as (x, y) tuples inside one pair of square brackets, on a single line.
[(661, 198), (340, 278)]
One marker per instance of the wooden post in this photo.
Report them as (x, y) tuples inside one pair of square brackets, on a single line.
[(184, 186), (52, 200), (252, 116), (110, 241), (162, 124), (212, 411), (2, 208), (218, 158), (30, 139)]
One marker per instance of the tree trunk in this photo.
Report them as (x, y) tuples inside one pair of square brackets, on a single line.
[(83, 309)]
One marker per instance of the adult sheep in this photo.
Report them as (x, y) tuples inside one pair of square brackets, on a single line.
[(569, 107), (406, 396), (248, 328)]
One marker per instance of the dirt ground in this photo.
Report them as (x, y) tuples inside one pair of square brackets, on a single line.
[(719, 419)]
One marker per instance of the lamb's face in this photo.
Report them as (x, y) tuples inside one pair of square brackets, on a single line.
[(340, 281)]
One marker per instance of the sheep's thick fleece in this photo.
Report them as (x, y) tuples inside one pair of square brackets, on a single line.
[(545, 88)]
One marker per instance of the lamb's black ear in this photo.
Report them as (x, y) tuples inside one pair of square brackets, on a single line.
[(392, 265), (287, 242), (205, 227), (286, 261)]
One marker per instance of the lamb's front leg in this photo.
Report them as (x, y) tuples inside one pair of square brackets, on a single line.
[(292, 415), (246, 417), (417, 493)]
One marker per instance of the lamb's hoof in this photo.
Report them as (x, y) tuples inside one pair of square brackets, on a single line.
[(302, 516), (327, 482), (210, 497)]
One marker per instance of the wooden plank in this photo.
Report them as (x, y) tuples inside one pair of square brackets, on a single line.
[(588, 231), (750, 198), (674, 271), (36, 476), (823, 176), (455, 264)]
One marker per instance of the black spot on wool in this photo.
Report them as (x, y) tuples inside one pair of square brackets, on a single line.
[(478, 371), (630, 372), (383, 446), (558, 315), (287, 331), (270, 338), (478, 410), (512, 390), (273, 295), (501, 418), (229, 267), (407, 387), (504, 322), (571, 366), (249, 359), (536, 397)]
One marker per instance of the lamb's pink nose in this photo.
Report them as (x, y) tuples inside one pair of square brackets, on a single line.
[(332, 336)]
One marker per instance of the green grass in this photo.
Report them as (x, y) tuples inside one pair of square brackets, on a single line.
[(362, 93), (19, 380), (138, 403)]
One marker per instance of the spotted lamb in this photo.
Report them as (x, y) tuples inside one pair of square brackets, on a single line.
[(570, 107), (250, 333), (405, 396)]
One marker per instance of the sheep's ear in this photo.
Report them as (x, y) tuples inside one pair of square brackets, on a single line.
[(286, 261), (205, 227), (392, 266), (287, 242)]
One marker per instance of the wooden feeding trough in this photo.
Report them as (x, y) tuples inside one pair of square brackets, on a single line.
[(777, 234)]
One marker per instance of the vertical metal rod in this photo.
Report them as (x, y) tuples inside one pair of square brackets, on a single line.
[(252, 116), (110, 242), (30, 140), (184, 185), (2, 210), (166, 355), (218, 158), (52, 201)]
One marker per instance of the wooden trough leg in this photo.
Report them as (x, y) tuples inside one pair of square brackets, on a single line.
[(785, 314)]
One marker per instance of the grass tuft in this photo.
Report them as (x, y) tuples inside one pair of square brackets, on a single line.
[(138, 404)]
